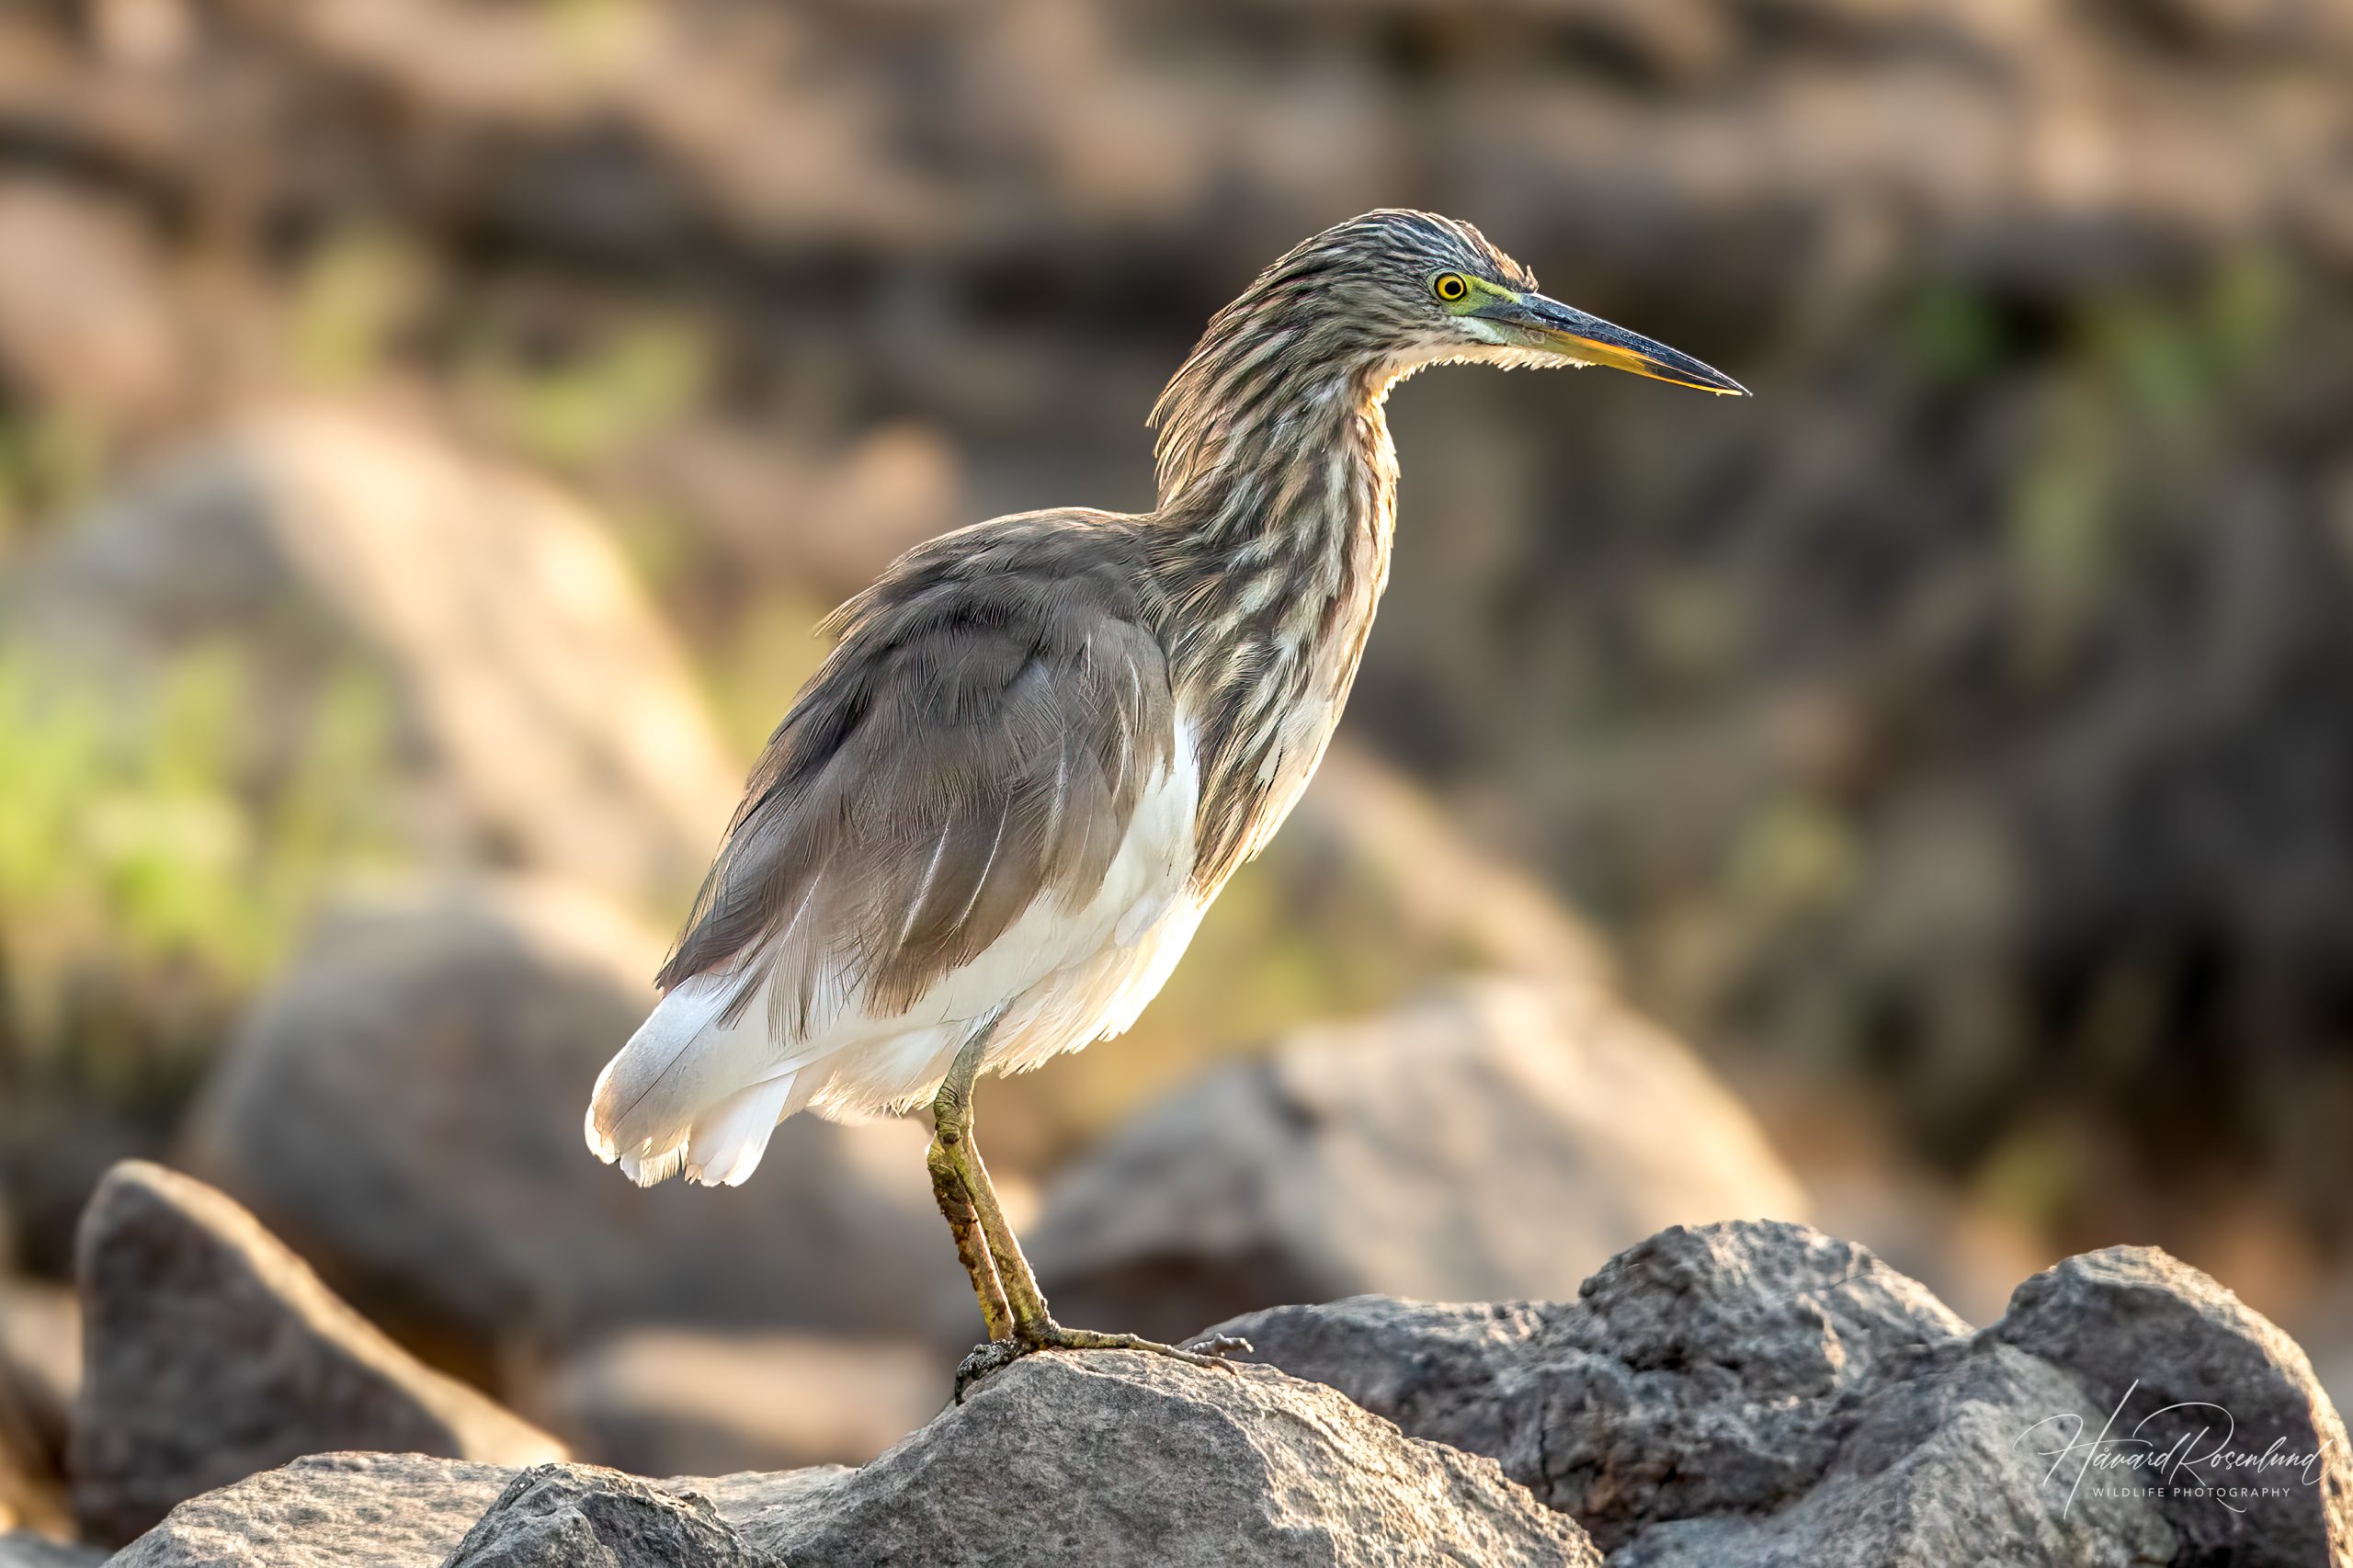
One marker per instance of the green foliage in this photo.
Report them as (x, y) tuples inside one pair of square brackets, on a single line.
[(49, 462), (2135, 413), (351, 301), (588, 405), (148, 852)]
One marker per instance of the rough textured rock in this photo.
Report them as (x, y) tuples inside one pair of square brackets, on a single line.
[(404, 1109), (669, 1401), (1058, 1459), (1497, 1142), (2179, 1359), (1120, 1457), (212, 1352), (1750, 1395), (555, 1515), (541, 714), (327, 1511), (392, 1511)]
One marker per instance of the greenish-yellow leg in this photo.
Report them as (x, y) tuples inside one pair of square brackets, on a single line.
[(971, 1246), (1011, 1303)]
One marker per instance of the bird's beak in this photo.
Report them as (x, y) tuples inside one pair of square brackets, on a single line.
[(1588, 340)]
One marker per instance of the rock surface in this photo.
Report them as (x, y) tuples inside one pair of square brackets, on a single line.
[(405, 1110), (556, 1515), (212, 1352), (1058, 1459), (1120, 1457), (672, 1402), (327, 1511), (1407, 1155), (1754, 1394), (2180, 1359)]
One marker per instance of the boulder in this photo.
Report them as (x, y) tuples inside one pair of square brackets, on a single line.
[(404, 1109), (1124, 1457), (540, 715), (1754, 1394), (558, 1515), (212, 1352), (676, 1402), (1497, 1140), (327, 1511), (1106, 1458), (2179, 1359)]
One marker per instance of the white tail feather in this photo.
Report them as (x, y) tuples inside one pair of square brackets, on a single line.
[(727, 1143), (682, 1067)]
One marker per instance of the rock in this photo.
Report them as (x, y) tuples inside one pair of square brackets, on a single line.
[(1496, 1142), (669, 1401), (555, 1515), (540, 715), (1752, 1395), (1122, 1457), (326, 1511), (398, 1510), (1104, 1458), (406, 1107), (22, 1549), (2178, 1359), (40, 1359), (212, 1352)]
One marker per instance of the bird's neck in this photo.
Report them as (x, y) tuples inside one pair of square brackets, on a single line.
[(1269, 551)]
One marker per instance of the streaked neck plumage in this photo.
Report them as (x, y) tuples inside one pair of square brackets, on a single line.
[(1268, 552)]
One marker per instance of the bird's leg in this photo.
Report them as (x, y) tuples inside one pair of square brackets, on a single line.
[(971, 1246), (1032, 1328)]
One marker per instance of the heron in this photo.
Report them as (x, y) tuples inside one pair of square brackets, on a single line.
[(992, 820)]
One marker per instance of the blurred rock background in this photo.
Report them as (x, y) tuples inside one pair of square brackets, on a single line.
[(429, 430)]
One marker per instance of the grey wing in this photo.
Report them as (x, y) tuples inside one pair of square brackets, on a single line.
[(978, 739)]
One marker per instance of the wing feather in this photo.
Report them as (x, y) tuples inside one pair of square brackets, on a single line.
[(978, 740)]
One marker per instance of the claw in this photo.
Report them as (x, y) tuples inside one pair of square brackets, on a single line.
[(998, 1354), (986, 1358), (1221, 1344)]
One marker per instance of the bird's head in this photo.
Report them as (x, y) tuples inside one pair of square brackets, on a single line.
[(1337, 320), (1414, 289)]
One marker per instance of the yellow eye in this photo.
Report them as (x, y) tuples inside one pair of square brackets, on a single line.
[(1451, 287)]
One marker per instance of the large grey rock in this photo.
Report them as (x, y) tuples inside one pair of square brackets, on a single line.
[(678, 1402), (2176, 1359), (1058, 1459), (1746, 1395), (349, 1510), (367, 1510), (541, 714), (1121, 1458), (212, 1352), (405, 1110), (1496, 1142), (556, 1515)]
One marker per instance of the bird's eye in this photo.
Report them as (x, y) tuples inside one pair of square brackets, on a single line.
[(1451, 287)]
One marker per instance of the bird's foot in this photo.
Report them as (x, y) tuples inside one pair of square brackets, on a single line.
[(1027, 1340)]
